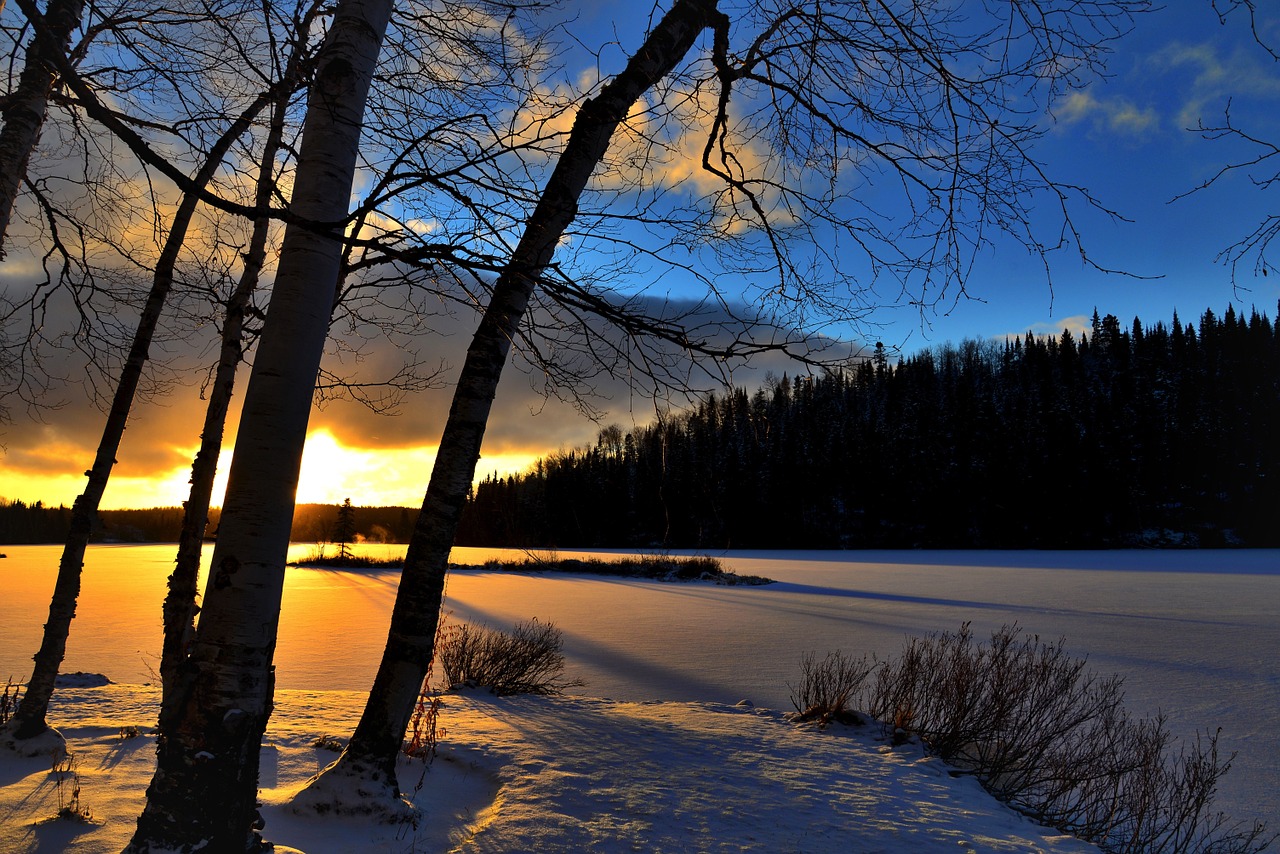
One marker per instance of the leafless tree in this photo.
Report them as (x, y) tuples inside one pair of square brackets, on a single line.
[(1258, 166), (915, 90), (25, 107), (30, 719), (204, 788), (180, 607), (205, 785), (371, 753)]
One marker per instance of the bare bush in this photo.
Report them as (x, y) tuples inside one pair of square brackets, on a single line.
[(526, 660), (66, 785), (827, 688), (9, 700), (425, 733), (1052, 739)]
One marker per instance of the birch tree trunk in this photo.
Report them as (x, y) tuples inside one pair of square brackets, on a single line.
[(180, 607), (29, 721), (204, 791), (26, 108), (373, 748)]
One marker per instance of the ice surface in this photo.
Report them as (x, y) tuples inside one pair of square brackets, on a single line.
[(1194, 633)]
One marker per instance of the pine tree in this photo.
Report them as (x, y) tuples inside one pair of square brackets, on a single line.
[(344, 533)]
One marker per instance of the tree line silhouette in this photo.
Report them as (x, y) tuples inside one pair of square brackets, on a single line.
[(1159, 435), (22, 522), (1138, 436)]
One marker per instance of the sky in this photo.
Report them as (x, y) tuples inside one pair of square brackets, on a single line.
[(1126, 138)]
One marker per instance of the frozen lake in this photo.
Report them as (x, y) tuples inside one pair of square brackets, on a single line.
[(1195, 634)]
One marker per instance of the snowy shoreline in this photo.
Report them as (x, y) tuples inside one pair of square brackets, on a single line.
[(1193, 634), (550, 774)]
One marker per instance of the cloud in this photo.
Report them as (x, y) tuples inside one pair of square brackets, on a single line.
[(1175, 86), (373, 457), (1214, 76), (1076, 324), (561, 366), (1117, 115), (534, 413)]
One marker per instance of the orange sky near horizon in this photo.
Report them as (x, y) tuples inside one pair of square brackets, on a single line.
[(331, 473)]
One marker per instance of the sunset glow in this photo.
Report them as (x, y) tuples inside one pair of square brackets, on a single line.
[(331, 473)]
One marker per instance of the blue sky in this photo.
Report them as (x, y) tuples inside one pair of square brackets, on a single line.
[(1127, 139)]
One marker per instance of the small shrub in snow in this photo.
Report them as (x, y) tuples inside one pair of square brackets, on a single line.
[(66, 784), (1052, 739), (331, 743), (655, 567), (425, 731), (827, 688), (9, 700), (526, 660)]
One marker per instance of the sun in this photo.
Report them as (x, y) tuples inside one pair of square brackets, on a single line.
[(333, 472)]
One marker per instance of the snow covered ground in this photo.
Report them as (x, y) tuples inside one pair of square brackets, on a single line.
[(552, 775), (1195, 634)]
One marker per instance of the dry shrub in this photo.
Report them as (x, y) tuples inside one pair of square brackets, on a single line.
[(331, 743), (526, 660), (1051, 738), (425, 732), (828, 688), (66, 784), (9, 700)]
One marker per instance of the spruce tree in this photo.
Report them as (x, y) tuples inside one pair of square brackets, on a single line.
[(345, 531)]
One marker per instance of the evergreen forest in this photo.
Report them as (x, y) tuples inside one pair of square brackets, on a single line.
[(1161, 435), (1164, 435)]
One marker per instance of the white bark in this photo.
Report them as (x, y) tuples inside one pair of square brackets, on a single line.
[(26, 107), (205, 786), (180, 603)]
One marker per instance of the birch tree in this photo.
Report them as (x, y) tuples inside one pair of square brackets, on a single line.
[(29, 721), (839, 84), (205, 785), (204, 791), (371, 753), (180, 609), (25, 109)]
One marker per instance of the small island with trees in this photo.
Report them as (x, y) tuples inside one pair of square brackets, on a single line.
[(668, 568)]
